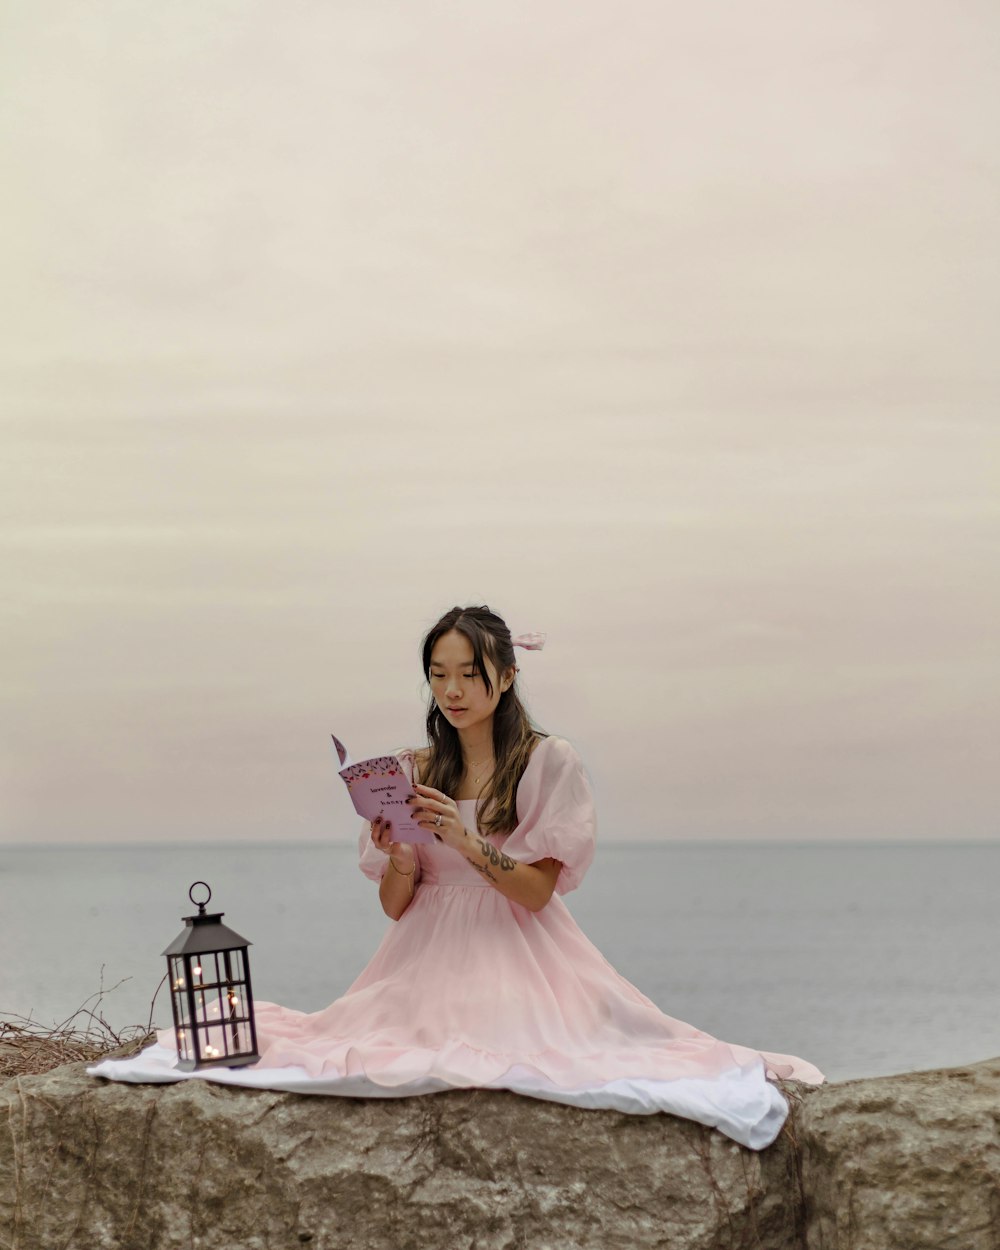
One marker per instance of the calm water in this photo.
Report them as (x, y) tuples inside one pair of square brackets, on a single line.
[(864, 959)]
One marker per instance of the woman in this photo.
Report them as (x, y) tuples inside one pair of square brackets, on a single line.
[(486, 980)]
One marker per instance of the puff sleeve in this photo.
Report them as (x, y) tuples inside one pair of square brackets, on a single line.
[(556, 817), (371, 860)]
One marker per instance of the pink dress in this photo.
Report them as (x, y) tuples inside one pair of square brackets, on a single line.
[(468, 989)]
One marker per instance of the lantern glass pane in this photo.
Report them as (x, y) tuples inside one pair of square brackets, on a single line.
[(214, 1034), (178, 990)]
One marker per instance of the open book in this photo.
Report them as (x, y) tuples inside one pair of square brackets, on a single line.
[(379, 787)]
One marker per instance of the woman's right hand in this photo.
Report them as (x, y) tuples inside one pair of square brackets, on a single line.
[(402, 853)]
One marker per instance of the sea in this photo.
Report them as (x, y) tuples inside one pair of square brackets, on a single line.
[(866, 959)]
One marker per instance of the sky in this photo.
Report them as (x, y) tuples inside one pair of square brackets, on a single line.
[(667, 330)]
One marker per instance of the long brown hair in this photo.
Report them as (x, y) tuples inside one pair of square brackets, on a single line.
[(514, 733)]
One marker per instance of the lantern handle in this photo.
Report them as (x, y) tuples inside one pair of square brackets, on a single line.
[(201, 906)]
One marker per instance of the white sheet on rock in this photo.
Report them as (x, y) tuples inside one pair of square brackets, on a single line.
[(741, 1103)]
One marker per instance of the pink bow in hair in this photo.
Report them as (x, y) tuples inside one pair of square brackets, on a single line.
[(530, 642)]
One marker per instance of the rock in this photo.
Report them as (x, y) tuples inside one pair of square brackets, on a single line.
[(892, 1163), (88, 1164), (909, 1161)]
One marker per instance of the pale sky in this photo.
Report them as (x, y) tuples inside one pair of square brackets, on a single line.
[(669, 330)]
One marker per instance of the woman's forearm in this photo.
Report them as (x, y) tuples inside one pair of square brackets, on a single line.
[(531, 885), (396, 890)]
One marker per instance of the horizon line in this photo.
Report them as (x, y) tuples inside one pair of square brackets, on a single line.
[(645, 843)]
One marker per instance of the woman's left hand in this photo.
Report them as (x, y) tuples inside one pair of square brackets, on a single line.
[(431, 804)]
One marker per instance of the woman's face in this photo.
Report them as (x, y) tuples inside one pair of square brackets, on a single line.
[(458, 689)]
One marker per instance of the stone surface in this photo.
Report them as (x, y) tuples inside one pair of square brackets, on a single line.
[(87, 1164), (907, 1162), (894, 1163)]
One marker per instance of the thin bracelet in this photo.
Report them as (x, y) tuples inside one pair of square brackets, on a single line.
[(407, 875)]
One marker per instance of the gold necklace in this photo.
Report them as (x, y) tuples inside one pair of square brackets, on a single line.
[(475, 764)]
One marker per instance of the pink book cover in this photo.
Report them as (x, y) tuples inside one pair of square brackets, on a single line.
[(379, 786)]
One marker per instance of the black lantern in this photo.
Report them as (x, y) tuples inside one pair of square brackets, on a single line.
[(209, 976)]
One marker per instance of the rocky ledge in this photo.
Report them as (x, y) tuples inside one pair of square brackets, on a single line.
[(909, 1162)]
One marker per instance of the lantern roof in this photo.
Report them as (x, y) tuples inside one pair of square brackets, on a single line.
[(205, 933)]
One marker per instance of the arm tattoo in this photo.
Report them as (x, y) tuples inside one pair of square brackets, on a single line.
[(481, 868), (497, 858)]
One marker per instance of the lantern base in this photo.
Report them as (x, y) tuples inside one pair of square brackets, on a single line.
[(223, 1061)]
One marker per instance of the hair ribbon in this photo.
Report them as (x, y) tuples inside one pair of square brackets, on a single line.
[(530, 642)]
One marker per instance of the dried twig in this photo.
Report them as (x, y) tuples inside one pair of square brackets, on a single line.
[(28, 1047)]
